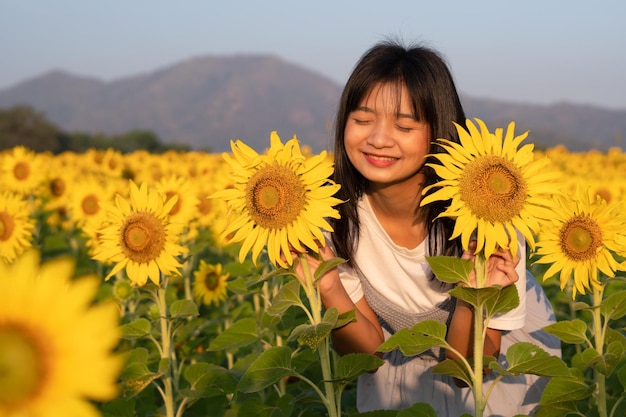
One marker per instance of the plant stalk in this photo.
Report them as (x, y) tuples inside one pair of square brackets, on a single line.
[(598, 338), (166, 350), (312, 291)]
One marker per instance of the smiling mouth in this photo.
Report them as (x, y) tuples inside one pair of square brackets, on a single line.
[(380, 158)]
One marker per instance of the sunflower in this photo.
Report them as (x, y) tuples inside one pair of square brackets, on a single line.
[(56, 346), (185, 209), (494, 188), (21, 170), (210, 283), (585, 235), (279, 199), (85, 197), (138, 236), (16, 226)]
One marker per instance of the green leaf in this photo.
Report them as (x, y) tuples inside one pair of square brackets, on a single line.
[(352, 365), (613, 307), (614, 336), (287, 296), (418, 410), (207, 380), (454, 368), (184, 308), (621, 376), (311, 335), (270, 367), (135, 378), (164, 366), (242, 333), (119, 407), (421, 337), (378, 413), (528, 358), (477, 296), (605, 363), (345, 318), (326, 266), (569, 331), (136, 329), (560, 409), (262, 407), (139, 355), (331, 316), (564, 390), (505, 299), (451, 269)]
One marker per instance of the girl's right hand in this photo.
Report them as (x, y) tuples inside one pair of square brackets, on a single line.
[(500, 267)]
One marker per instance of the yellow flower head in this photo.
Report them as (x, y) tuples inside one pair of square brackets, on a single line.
[(138, 236), (494, 188), (21, 170), (185, 209), (56, 346), (585, 235), (16, 226), (209, 284), (280, 199)]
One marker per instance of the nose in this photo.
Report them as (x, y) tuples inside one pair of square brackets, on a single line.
[(381, 135)]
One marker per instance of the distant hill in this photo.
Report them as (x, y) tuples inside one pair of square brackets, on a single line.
[(206, 101)]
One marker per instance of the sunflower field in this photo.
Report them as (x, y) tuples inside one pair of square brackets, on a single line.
[(126, 289)]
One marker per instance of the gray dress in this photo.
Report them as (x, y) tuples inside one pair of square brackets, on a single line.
[(403, 381)]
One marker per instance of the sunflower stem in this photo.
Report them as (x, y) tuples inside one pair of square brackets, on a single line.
[(166, 348), (598, 337), (479, 337), (312, 291)]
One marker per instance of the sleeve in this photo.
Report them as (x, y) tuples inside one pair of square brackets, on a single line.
[(515, 318), (351, 282), (348, 276)]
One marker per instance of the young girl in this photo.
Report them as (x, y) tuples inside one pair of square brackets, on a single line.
[(396, 102)]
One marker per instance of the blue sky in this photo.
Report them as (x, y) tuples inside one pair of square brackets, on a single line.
[(535, 51)]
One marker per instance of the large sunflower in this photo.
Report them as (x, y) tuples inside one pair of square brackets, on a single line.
[(138, 236), (210, 283), (280, 199), (585, 235), (494, 188), (16, 226), (56, 346)]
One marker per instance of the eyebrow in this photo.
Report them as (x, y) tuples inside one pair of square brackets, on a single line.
[(399, 115)]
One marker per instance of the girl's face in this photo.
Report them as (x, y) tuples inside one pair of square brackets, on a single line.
[(383, 139)]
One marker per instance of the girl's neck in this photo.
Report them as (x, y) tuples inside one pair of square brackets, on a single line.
[(400, 199), (398, 212)]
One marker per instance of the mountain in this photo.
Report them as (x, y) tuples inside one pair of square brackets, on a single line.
[(204, 102)]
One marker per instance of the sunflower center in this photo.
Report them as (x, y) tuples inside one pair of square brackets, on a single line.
[(580, 238), (204, 205), (90, 205), (57, 187), (21, 171), (7, 225), (275, 196), (22, 367), (143, 237), (211, 280), (176, 207), (493, 188)]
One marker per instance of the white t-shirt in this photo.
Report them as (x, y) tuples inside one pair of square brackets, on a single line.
[(403, 275)]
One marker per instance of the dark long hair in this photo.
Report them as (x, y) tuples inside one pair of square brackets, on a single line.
[(435, 101)]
